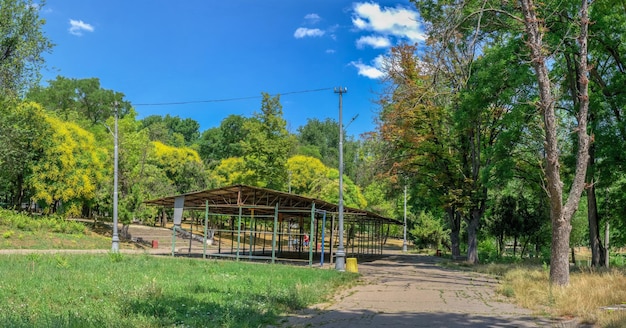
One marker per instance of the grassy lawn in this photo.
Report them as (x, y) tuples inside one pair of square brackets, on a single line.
[(21, 231), (114, 290)]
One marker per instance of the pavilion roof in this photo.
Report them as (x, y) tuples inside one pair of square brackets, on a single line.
[(228, 201)]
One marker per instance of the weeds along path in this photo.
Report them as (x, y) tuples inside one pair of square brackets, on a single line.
[(412, 291)]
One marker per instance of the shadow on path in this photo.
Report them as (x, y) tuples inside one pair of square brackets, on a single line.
[(403, 290)]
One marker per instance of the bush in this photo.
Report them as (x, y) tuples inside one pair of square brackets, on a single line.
[(24, 222)]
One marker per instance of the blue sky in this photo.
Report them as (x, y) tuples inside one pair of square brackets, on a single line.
[(158, 51)]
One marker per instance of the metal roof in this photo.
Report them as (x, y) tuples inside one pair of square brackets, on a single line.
[(228, 200)]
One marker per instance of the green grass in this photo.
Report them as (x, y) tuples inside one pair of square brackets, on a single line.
[(22, 231), (117, 290)]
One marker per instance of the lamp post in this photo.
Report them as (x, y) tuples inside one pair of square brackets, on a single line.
[(115, 241), (404, 242), (340, 262)]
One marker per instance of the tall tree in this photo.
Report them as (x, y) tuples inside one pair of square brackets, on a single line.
[(560, 213), (22, 45), (82, 100), (68, 175), (172, 130), (320, 139), (530, 21), (418, 132), (22, 128), (606, 116), (223, 142), (268, 145)]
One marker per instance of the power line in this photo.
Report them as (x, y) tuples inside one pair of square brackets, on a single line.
[(227, 99)]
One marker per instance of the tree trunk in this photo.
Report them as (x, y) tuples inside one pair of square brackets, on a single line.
[(18, 196), (455, 229), (560, 214), (472, 228), (597, 250)]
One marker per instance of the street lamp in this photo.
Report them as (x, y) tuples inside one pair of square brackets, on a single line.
[(340, 263), (404, 242), (115, 241)]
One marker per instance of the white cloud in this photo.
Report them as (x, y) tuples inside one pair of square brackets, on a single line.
[(312, 18), (399, 22), (302, 32), (371, 71), (330, 51), (77, 27), (373, 41)]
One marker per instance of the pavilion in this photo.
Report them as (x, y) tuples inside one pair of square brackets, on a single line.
[(257, 223)]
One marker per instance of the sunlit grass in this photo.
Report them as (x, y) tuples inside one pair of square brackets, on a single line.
[(145, 291), (583, 298)]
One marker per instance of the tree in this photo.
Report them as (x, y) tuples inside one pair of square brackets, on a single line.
[(233, 171), (172, 130), (223, 142), (268, 145), (429, 231), (22, 44), (182, 166), (304, 173), (560, 213), (68, 175), (531, 22), (417, 130), (23, 128), (80, 100), (320, 139)]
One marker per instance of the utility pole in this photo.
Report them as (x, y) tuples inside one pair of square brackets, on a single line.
[(404, 250), (115, 241), (340, 263)]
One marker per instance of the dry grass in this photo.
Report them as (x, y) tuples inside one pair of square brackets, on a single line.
[(584, 298)]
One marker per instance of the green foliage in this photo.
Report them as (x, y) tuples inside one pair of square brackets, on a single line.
[(429, 231), (22, 131), (232, 171), (305, 173), (70, 170), (16, 221), (82, 100), (320, 139), (268, 145), (22, 45), (378, 200), (182, 165), (223, 142), (172, 130), (143, 291)]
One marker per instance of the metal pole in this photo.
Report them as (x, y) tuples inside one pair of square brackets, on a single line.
[(275, 230), (115, 241), (404, 242), (238, 233), (323, 239), (173, 240), (311, 234), (340, 263), (206, 227)]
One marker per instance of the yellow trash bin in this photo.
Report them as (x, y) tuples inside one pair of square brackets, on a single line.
[(351, 265)]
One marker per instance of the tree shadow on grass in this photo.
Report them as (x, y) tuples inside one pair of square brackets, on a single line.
[(230, 311)]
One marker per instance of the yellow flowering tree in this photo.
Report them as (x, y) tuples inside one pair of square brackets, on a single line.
[(67, 175)]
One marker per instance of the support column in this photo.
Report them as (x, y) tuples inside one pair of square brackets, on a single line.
[(311, 234), (206, 227), (238, 233), (274, 234)]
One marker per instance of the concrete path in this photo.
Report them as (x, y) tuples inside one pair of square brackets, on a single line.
[(412, 291)]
